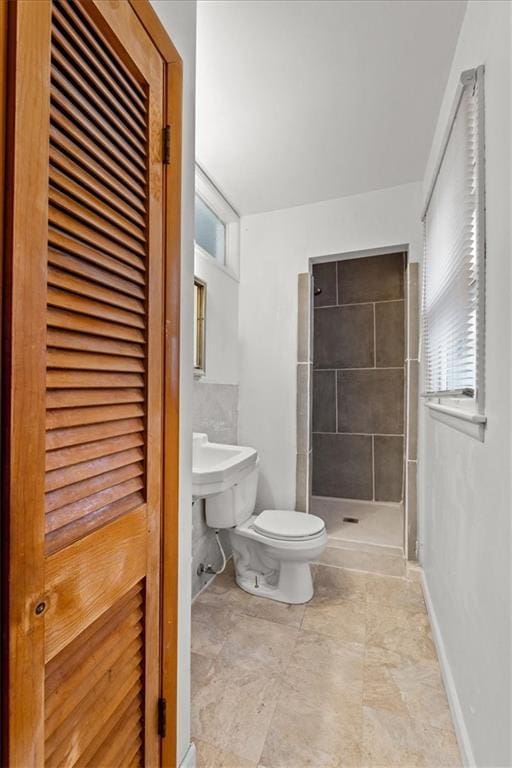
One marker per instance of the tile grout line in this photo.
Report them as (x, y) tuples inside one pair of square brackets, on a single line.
[(374, 338), (336, 399), (368, 368), (361, 434), (373, 467), (358, 303)]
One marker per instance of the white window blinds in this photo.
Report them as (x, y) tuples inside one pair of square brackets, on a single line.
[(453, 273)]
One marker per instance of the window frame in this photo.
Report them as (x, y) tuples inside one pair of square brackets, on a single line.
[(200, 328), (449, 407), (217, 257), (217, 203)]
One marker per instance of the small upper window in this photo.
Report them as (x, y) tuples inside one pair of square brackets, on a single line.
[(210, 231), (199, 326), (453, 286)]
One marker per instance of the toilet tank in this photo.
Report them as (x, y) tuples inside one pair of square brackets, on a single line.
[(235, 505)]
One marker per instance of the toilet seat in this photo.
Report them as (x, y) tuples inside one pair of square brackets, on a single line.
[(287, 525)]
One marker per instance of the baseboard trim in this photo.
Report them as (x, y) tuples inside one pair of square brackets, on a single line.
[(189, 761), (461, 732)]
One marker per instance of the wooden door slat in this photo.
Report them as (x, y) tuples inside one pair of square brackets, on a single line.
[(131, 604), (73, 47), (68, 495), (84, 342), (93, 661), (118, 751), (78, 251), (96, 518), (67, 102), (96, 156), (71, 417), (110, 61), (63, 438), (56, 379), (72, 321), (79, 211), (85, 361), (100, 208), (99, 191), (78, 38), (61, 398), (77, 510), (81, 727), (84, 287), (60, 478), (69, 224), (93, 273), (123, 657), (136, 761), (63, 299), (126, 711), (91, 98), (66, 457), (95, 264), (83, 162)]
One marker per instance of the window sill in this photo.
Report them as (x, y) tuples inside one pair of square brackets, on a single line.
[(209, 259), (468, 422)]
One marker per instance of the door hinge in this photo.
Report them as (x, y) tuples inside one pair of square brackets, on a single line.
[(166, 145), (162, 717)]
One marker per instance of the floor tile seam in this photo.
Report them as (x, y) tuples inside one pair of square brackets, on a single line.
[(241, 612), (231, 754), (350, 643), (336, 600), (412, 609), (403, 655), (360, 570), (409, 662), (416, 720), (439, 686), (271, 719), (379, 549), (211, 656), (288, 662)]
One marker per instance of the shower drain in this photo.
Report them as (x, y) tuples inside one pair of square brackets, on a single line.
[(350, 519)]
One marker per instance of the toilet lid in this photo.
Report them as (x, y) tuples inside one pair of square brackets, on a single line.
[(285, 524)]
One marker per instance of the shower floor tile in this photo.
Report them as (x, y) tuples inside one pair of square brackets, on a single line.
[(353, 682), (380, 525)]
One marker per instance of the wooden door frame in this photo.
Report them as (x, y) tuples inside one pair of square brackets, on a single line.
[(172, 290), (171, 365)]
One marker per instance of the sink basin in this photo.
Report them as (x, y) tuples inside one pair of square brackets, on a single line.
[(217, 467)]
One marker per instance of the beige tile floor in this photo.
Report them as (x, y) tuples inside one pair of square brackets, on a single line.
[(350, 679)]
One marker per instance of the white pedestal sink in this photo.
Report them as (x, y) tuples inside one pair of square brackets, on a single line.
[(217, 467)]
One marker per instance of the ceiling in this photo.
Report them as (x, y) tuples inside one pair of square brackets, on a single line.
[(305, 100)]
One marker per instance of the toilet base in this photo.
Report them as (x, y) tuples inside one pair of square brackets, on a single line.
[(294, 586)]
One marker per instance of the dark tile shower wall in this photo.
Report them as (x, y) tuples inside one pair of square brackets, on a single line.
[(358, 378)]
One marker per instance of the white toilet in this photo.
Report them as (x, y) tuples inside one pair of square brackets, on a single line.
[(272, 551)]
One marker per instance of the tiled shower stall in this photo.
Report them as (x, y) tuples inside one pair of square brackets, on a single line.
[(357, 383), (358, 378)]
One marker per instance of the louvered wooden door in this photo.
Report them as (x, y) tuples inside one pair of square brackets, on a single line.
[(85, 471)]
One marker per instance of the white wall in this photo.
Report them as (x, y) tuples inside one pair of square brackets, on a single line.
[(179, 19), (275, 248), (221, 321), (465, 497)]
